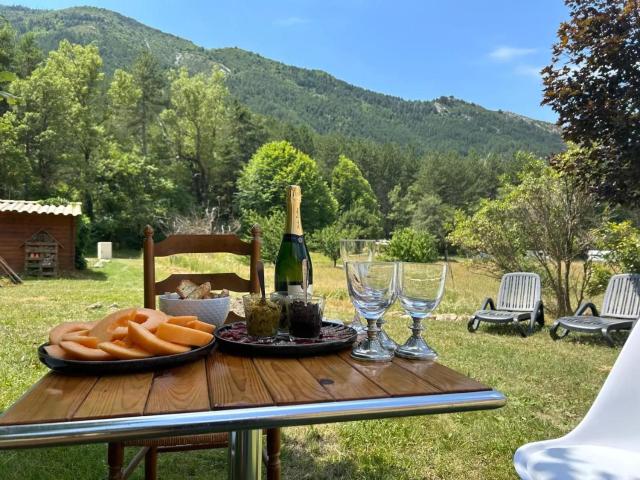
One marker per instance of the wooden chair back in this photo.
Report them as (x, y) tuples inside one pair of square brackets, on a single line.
[(519, 292), (176, 244), (622, 298)]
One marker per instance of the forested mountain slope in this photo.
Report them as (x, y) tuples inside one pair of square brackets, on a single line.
[(296, 95)]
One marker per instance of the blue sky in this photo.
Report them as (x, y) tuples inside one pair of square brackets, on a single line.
[(488, 52)]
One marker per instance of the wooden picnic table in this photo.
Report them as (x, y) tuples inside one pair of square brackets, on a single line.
[(239, 394)]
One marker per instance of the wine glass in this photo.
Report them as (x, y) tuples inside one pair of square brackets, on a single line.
[(372, 291), (420, 289), (357, 250)]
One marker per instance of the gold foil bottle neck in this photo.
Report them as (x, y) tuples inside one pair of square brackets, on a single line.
[(294, 220)]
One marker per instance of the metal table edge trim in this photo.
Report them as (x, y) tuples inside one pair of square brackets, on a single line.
[(175, 424)]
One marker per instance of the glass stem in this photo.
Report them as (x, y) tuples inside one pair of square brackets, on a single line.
[(416, 328), (372, 329)]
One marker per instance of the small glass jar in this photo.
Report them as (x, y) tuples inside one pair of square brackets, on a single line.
[(305, 318), (283, 325), (262, 316)]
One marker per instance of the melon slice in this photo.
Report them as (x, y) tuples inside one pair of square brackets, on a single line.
[(146, 340), (57, 332), (107, 328), (91, 342), (182, 320), (57, 351), (202, 326), (149, 318), (123, 352), (80, 352), (183, 335)]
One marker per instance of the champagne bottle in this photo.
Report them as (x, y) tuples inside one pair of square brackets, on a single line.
[(293, 249)]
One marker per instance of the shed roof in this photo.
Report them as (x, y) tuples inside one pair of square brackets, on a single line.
[(28, 206)]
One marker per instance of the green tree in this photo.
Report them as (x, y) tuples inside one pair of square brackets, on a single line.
[(592, 84), (28, 55), (45, 130), (197, 128), (358, 208), (327, 241), (130, 192), (7, 63), (123, 97), (546, 222), (12, 171), (7, 46), (82, 67), (150, 79), (262, 183)]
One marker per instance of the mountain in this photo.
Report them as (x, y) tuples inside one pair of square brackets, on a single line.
[(296, 95)]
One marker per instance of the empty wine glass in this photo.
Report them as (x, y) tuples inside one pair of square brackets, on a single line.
[(357, 250), (372, 291), (420, 288)]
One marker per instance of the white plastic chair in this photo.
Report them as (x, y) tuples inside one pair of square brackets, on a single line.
[(606, 444)]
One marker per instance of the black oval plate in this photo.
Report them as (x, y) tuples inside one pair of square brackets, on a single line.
[(110, 367), (286, 349)]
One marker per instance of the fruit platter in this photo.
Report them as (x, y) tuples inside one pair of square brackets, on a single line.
[(126, 341)]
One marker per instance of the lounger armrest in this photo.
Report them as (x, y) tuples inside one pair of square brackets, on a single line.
[(587, 306), (538, 311), (488, 302)]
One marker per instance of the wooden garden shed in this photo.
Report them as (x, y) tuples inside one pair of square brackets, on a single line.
[(39, 238)]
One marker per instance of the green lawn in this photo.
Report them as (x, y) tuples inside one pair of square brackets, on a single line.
[(549, 385)]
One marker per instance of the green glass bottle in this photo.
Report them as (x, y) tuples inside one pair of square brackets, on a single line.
[(293, 249)]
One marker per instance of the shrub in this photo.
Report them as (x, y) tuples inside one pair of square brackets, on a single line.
[(409, 245), (622, 240), (600, 275)]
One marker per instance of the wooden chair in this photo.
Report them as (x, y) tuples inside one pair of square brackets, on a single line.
[(173, 245), (519, 299), (620, 311)]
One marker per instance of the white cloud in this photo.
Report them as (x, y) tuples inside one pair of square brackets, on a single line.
[(505, 54), (528, 71), (290, 21)]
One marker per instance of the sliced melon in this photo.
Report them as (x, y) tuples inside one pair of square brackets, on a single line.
[(183, 335), (56, 333), (107, 328), (182, 320), (123, 352), (149, 318), (91, 342), (146, 340), (57, 351), (202, 326), (80, 352)]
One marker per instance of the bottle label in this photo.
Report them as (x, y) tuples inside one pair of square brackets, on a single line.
[(297, 290)]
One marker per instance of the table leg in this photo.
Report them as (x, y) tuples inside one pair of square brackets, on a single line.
[(245, 455)]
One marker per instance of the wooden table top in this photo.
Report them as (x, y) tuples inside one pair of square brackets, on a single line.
[(223, 381)]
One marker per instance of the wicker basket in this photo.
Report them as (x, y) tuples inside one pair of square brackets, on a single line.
[(210, 310)]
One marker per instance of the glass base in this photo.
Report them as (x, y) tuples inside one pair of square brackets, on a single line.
[(387, 342), (371, 350), (416, 349)]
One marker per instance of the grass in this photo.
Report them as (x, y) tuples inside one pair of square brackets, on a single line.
[(549, 385)]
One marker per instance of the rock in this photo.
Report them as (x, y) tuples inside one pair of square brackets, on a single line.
[(94, 306)]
